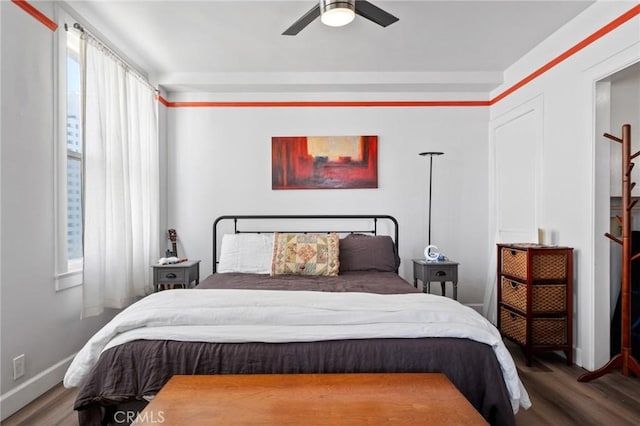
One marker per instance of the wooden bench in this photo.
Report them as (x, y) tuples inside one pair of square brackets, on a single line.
[(310, 399)]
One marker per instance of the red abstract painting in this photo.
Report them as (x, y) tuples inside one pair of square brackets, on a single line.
[(324, 162)]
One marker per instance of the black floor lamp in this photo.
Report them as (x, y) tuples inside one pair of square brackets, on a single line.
[(430, 154)]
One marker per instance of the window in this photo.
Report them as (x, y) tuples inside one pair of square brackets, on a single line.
[(74, 148), (69, 164)]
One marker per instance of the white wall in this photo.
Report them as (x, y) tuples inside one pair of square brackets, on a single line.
[(36, 321), (220, 163), (571, 206)]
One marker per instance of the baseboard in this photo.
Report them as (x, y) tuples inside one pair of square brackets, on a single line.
[(26, 392), (577, 357)]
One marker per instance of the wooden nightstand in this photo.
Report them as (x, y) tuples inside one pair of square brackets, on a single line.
[(177, 274), (441, 271)]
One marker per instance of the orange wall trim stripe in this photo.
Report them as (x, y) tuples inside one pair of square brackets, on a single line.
[(163, 101), (36, 14), (633, 12), (325, 104)]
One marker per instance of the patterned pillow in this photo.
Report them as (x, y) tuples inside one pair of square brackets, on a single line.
[(305, 254)]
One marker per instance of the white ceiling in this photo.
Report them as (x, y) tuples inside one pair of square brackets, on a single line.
[(237, 46)]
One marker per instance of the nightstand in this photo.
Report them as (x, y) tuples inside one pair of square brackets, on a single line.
[(176, 274), (441, 271)]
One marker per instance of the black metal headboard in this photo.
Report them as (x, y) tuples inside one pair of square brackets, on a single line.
[(372, 221)]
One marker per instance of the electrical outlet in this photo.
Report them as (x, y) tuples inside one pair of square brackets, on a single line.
[(18, 367)]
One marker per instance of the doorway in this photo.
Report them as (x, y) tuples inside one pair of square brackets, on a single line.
[(617, 103)]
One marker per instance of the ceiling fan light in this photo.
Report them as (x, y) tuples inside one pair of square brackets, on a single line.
[(337, 13)]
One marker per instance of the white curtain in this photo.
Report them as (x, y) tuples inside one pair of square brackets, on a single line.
[(121, 182)]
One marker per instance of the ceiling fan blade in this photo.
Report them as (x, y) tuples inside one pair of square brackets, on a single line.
[(374, 13), (306, 19)]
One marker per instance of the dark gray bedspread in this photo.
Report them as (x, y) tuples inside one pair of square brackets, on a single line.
[(366, 282), (126, 373)]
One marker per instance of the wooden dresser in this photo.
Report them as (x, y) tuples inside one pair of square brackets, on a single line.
[(535, 297)]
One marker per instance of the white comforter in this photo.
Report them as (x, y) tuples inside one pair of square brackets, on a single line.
[(231, 316)]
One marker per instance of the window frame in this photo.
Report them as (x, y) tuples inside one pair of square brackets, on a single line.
[(68, 272)]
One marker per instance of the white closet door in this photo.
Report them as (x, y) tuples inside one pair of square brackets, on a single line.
[(516, 144), (516, 153)]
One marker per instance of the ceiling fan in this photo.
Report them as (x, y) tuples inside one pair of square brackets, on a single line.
[(341, 12)]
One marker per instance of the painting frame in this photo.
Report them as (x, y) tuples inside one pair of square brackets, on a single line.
[(324, 162)]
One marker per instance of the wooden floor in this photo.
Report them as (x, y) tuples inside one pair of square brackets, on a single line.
[(558, 398), (55, 407)]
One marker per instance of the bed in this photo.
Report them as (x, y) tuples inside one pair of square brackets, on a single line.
[(289, 300)]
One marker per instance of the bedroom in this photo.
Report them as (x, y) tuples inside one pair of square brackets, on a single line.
[(200, 141)]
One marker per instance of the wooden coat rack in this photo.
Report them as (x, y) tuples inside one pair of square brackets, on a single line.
[(624, 360)]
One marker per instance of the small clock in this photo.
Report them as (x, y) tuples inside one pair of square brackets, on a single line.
[(430, 253)]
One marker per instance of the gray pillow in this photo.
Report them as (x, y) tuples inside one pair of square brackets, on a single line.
[(361, 252)]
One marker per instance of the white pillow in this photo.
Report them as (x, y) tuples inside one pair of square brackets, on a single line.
[(246, 253)]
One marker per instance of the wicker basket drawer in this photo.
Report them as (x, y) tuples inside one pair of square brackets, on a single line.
[(545, 298), (544, 331), (545, 266)]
